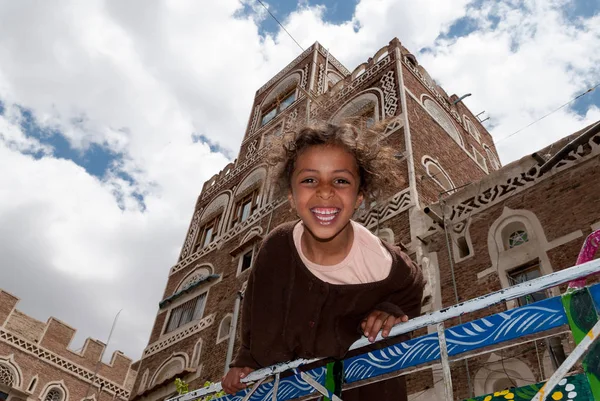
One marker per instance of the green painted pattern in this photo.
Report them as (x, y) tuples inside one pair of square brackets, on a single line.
[(582, 315), (572, 388)]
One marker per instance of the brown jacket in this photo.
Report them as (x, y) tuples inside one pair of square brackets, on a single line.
[(288, 313)]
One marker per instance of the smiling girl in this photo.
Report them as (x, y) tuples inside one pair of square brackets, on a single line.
[(320, 283)]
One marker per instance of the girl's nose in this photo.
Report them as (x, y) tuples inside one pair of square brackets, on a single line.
[(325, 192)]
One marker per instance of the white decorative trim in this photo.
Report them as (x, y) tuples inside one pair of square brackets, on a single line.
[(427, 160), (9, 362), (178, 335), (31, 389), (195, 361), (183, 299), (442, 119), (281, 73), (143, 381), (181, 286), (225, 337), (513, 181), (595, 226), (62, 363), (321, 80), (332, 60), (399, 203), (55, 384), (565, 239), (179, 356), (388, 84)]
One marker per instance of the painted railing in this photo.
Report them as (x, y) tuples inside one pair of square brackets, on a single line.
[(578, 308)]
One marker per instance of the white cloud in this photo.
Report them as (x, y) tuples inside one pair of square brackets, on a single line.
[(141, 78)]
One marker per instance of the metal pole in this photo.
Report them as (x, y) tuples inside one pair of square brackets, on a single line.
[(446, 374), (102, 354), (232, 332)]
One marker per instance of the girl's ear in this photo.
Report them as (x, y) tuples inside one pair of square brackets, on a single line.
[(359, 200), (291, 200)]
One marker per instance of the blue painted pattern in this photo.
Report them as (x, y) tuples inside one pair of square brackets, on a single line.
[(480, 333), (595, 291), (289, 388), (504, 326)]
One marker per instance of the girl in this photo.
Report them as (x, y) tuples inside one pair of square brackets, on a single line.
[(318, 284)]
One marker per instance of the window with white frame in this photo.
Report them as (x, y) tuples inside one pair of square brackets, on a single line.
[(492, 157), (281, 102), (187, 312), (54, 394), (246, 260), (514, 234), (224, 329), (209, 232), (472, 129), (437, 174), (441, 117), (245, 207), (480, 159)]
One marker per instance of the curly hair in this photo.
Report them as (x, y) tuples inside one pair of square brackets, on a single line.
[(377, 164)]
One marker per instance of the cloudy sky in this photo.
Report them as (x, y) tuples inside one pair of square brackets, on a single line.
[(114, 113)]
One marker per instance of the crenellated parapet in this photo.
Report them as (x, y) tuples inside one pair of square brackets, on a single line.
[(50, 342)]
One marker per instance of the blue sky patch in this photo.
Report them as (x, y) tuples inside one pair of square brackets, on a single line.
[(337, 12), (214, 147)]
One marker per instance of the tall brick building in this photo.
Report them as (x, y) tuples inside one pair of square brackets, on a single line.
[(37, 364), (440, 143)]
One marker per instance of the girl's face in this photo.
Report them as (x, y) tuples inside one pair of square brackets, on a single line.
[(325, 190)]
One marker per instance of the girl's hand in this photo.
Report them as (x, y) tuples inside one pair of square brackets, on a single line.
[(378, 320), (231, 381)]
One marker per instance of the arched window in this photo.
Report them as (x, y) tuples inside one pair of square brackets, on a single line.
[(200, 274), (280, 98), (197, 354), (437, 174), (7, 377), (472, 129), (364, 108), (32, 384), (440, 116), (517, 238), (224, 329), (54, 394), (514, 234), (169, 369), (492, 157)]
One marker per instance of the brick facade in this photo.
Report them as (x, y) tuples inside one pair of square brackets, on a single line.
[(395, 87), (38, 360)]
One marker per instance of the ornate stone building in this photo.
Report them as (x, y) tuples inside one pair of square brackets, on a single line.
[(441, 146), (37, 364)]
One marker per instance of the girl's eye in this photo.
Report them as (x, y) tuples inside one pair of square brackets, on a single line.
[(342, 181), (308, 181)]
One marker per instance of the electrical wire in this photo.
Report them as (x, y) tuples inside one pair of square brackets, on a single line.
[(280, 24)]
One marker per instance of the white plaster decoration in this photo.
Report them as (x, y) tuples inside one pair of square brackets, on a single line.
[(492, 157), (357, 105), (333, 78), (359, 70), (143, 382), (195, 362), (321, 80), (32, 384), (304, 81), (255, 119), (240, 169), (224, 328), (255, 177), (516, 180), (388, 85), (253, 232), (292, 80), (442, 119), (218, 204), (199, 274), (565, 239), (62, 363), (252, 148), (7, 377), (333, 61), (472, 129), (55, 391), (348, 90), (437, 173), (381, 53), (231, 233), (290, 121), (460, 231), (480, 159), (386, 234), (504, 259), (169, 369), (396, 205), (493, 376), (596, 226), (395, 124), (244, 286), (177, 336), (431, 87), (54, 394), (284, 71), (192, 234)]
